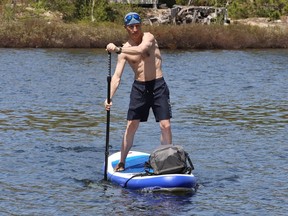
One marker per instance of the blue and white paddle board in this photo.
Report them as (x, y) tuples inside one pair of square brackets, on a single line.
[(134, 165)]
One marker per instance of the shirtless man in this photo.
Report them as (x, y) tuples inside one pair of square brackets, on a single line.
[(149, 89)]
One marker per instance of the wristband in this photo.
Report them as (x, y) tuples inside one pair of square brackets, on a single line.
[(120, 50)]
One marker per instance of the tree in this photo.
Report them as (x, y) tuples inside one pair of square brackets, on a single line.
[(92, 11)]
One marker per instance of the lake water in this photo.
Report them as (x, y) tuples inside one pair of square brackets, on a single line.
[(230, 112)]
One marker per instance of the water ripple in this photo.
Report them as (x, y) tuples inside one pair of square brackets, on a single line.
[(262, 116), (230, 112), (47, 120)]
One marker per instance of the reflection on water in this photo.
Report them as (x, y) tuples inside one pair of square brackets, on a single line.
[(230, 112), (60, 121)]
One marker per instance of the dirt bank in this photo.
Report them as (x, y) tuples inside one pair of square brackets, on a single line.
[(263, 22)]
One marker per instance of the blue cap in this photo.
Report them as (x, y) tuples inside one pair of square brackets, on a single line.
[(132, 18)]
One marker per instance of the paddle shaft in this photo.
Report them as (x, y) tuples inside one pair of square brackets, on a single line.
[(108, 116)]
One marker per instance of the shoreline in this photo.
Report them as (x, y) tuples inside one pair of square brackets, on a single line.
[(240, 34), (29, 27)]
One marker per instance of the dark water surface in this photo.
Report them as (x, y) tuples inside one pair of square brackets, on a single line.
[(230, 112)]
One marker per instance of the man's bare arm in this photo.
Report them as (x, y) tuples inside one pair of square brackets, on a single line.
[(116, 78), (147, 42)]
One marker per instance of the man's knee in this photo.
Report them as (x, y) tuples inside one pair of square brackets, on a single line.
[(165, 125), (132, 125)]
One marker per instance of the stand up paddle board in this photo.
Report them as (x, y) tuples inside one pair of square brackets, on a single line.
[(135, 177)]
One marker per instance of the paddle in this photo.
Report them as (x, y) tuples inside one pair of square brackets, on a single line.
[(108, 116)]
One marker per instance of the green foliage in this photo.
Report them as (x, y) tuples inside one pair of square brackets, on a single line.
[(67, 8), (258, 8), (285, 9), (182, 2), (119, 10), (38, 4), (238, 9), (8, 13), (103, 11), (275, 15), (82, 9)]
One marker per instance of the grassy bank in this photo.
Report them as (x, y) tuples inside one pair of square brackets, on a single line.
[(38, 33)]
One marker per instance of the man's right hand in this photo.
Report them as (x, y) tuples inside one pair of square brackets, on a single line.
[(112, 48)]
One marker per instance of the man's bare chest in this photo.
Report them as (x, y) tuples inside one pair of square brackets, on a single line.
[(139, 59)]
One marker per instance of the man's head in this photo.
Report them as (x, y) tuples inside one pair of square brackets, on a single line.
[(132, 18)]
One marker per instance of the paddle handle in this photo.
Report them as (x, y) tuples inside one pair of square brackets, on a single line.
[(109, 79), (108, 116)]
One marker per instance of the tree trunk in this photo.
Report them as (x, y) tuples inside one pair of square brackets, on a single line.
[(92, 11)]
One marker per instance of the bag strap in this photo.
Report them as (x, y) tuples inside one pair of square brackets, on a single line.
[(147, 168), (190, 163), (138, 175)]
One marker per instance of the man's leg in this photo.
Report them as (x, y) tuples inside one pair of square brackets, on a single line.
[(166, 134), (131, 128)]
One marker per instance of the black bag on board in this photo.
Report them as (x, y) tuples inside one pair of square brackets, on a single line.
[(170, 159)]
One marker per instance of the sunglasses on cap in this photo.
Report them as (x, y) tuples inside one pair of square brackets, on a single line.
[(132, 16)]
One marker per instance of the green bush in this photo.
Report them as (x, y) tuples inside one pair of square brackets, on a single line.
[(8, 13), (82, 9), (275, 15), (182, 2), (285, 10), (65, 7), (103, 11), (75, 10), (237, 11)]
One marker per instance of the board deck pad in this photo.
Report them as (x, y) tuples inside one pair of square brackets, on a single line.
[(134, 164)]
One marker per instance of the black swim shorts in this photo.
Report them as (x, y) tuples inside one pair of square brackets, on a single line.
[(151, 94)]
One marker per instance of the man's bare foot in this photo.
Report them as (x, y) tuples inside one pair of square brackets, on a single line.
[(120, 167)]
